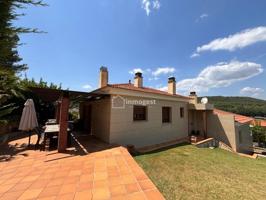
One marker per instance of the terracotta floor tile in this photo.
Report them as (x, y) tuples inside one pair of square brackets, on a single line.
[(13, 180), (72, 179), (55, 182), (99, 176), (84, 195), (47, 198), (39, 184), (74, 173), (154, 195), (86, 178), (146, 185), (137, 196), (69, 196), (62, 174), (133, 187), (101, 193), (5, 188), (97, 184), (113, 173), (127, 179), (85, 186), (121, 197), (30, 194), (20, 186), (45, 176), (117, 190), (68, 188), (141, 176), (88, 170), (12, 195), (115, 181), (29, 178), (50, 191)]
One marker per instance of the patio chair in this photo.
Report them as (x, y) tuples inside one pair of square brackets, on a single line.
[(40, 134)]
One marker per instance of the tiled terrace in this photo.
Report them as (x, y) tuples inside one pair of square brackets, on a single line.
[(100, 172)]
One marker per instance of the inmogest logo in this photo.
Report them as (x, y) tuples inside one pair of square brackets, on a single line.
[(118, 102)]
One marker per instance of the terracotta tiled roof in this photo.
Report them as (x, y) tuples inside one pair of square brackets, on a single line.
[(129, 86), (263, 123), (238, 118)]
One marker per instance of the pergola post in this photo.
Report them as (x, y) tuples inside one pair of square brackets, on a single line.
[(205, 123), (63, 122), (57, 111)]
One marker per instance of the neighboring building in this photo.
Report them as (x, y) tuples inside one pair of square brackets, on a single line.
[(131, 114), (259, 122), (263, 123), (234, 130)]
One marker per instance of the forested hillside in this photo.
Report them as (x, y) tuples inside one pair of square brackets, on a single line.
[(241, 105)]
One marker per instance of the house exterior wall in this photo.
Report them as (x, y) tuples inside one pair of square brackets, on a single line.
[(244, 143), (100, 118), (123, 130), (222, 128), (196, 122)]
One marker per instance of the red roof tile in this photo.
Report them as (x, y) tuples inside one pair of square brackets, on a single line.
[(238, 118), (263, 123), (129, 86)]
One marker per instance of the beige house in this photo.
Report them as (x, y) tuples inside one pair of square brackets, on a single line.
[(132, 114)]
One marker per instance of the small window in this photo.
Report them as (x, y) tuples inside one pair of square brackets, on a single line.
[(182, 112), (240, 137), (139, 113), (166, 114)]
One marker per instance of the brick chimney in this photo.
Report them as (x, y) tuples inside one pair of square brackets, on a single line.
[(138, 80), (103, 77), (171, 85), (194, 97)]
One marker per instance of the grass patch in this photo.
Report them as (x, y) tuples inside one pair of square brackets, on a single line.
[(188, 172)]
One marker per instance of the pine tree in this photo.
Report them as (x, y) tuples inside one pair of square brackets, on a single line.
[(9, 34), (10, 60)]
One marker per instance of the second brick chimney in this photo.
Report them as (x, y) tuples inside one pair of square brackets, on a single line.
[(103, 77), (138, 80), (194, 97), (171, 85)]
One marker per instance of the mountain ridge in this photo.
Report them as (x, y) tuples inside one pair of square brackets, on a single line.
[(248, 106)]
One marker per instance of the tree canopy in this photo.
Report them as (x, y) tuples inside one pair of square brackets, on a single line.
[(10, 61), (240, 105), (9, 34)]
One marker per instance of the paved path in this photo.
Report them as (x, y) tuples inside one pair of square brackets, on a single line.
[(105, 174)]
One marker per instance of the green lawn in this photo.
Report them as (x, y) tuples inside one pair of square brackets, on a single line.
[(188, 172)]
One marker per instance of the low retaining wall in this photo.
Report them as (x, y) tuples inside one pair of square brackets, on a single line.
[(210, 142), (225, 147), (162, 145)]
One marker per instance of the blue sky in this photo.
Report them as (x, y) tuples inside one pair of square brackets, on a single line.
[(213, 47)]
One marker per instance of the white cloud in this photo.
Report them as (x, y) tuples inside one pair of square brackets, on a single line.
[(87, 86), (195, 55), (165, 88), (155, 78), (156, 4), (148, 5), (163, 70), (220, 75), (250, 91), (204, 15), (201, 17), (237, 41), (134, 71)]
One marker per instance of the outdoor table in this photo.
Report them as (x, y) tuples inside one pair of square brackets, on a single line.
[(51, 122), (50, 131)]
